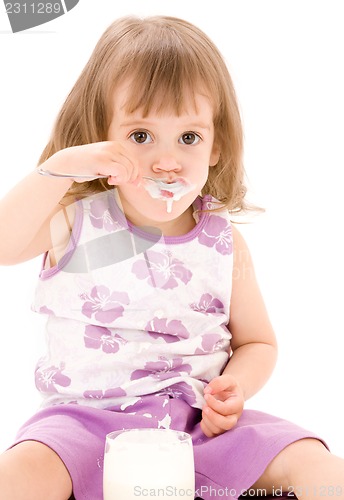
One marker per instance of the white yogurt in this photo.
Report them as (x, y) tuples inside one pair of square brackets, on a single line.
[(148, 463), (168, 192)]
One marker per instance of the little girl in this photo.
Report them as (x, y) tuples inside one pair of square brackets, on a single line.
[(154, 315)]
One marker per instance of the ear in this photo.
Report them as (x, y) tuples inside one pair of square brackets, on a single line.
[(215, 155)]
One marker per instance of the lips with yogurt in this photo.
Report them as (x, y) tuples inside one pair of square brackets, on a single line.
[(167, 191)]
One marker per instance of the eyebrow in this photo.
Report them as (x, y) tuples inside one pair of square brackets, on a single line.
[(147, 123), (138, 122)]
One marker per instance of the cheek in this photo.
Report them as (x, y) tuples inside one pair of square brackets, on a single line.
[(201, 176), (111, 136), (135, 196)]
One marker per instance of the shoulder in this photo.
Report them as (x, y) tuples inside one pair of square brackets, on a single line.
[(243, 267), (238, 239), (249, 320)]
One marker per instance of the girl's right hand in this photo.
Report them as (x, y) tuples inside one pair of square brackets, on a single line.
[(107, 158)]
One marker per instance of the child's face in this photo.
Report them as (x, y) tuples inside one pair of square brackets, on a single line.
[(166, 146)]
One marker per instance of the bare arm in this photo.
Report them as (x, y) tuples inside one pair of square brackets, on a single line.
[(253, 343), (26, 211), (254, 348), (25, 214)]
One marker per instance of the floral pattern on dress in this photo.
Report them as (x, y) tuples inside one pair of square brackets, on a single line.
[(162, 327), (162, 369), (208, 304), (138, 406), (170, 293), (181, 390), (109, 393), (97, 337), (46, 310), (211, 342), (104, 305), (51, 377), (100, 216), (218, 234), (161, 270)]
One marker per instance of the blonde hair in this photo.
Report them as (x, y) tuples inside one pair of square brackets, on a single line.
[(167, 60)]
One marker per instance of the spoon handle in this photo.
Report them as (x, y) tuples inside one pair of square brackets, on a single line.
[(49, 173)]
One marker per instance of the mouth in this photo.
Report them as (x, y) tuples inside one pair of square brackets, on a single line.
[(177, 186), (168, 191)]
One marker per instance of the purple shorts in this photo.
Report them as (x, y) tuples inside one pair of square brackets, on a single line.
[(225, 465)]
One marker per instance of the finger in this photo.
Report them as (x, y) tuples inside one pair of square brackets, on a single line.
[(209, 433), (131, 167), (206, 430), (221, 383), (225, 408), (218, 423), (115, 163), (210, 429), (119, 174), (120, 156)]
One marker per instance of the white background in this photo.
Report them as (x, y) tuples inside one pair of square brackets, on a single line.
[(286, 59)]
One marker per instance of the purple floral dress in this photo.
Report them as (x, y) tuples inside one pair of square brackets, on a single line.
[(136, 326), (131, 312)]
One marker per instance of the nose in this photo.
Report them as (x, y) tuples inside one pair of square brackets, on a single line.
[(166, 164)]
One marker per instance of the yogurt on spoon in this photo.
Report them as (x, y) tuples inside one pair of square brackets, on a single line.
[(169, 192)]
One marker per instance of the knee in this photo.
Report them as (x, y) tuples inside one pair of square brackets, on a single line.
[(304, 451), (31, 470), (292, 458), (12, 474)]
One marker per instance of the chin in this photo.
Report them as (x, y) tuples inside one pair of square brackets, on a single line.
[(148, 210)]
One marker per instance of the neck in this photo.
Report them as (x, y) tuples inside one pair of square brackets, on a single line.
[(183, 224)]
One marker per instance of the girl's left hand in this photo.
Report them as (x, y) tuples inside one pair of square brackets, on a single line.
[(224, 405)]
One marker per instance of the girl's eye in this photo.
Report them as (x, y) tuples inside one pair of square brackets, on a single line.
[(141, 137), (189, 138)]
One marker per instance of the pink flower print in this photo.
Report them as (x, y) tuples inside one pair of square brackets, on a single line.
[(161, 270), (117, 392), (211, 342), (93, 394), (100, 216), (181, 390), (162, 369), (46, 310), (174, 328), (103, 304), (47, 379), (208, 304), (97, 337), (217, 233), (169, 339)]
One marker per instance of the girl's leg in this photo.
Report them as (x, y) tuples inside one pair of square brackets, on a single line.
[(307, 469), (32, 471)]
